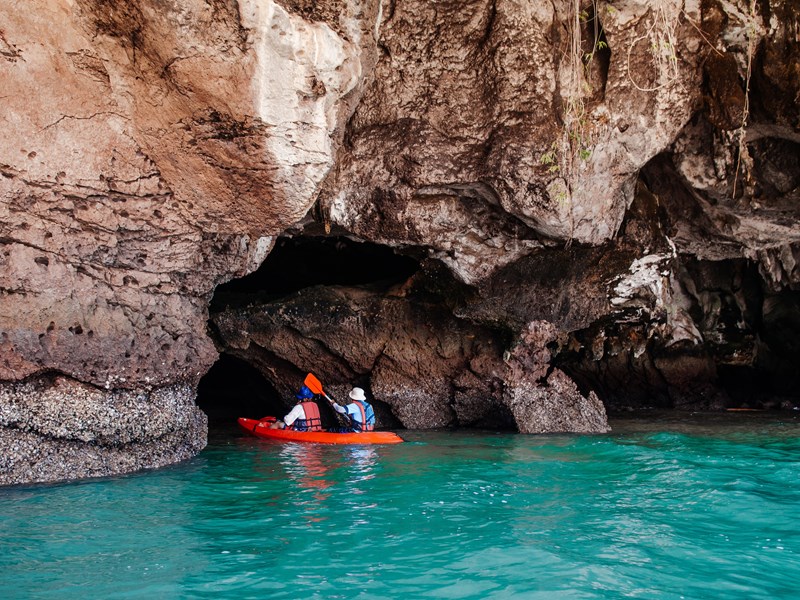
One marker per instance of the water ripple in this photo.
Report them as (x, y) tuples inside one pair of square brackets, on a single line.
[(641, 513)]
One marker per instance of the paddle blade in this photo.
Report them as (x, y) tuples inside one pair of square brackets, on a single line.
[(314, 384)]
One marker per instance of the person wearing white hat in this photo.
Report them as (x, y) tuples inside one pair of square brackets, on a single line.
[(359, 411)]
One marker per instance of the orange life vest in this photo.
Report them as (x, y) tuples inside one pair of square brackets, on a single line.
[(312, 422), (363, 426)]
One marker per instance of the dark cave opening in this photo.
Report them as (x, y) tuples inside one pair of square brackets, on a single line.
[(233, 388), (299, 262)]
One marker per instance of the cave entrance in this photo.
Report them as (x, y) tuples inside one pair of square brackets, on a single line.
[(299, 262), (235, 388), (232, 388)]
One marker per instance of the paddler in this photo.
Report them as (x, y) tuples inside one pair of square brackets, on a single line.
[(359, 411), (304, 416)]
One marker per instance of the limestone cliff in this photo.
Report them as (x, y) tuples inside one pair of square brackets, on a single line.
[(603, 194)]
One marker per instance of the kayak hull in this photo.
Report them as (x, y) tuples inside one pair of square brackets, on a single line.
[(261, 429)]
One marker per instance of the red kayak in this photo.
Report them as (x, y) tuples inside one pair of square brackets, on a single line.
[(261, 429)]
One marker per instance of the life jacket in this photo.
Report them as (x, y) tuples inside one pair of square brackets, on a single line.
[(367, 417), (312, 422)]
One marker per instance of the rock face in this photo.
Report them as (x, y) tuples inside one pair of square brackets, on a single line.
[(425, 367), (604, 195), (507, 122), (151, 151), (52, 428)]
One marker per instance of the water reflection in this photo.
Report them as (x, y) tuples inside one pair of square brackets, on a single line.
[(326, 478), (308, 467), (306, 464), (362, 464), (362, 461)]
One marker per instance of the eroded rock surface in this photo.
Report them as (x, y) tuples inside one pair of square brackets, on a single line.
[(150, 151), (55, 428), (425, 368), (508, 123)]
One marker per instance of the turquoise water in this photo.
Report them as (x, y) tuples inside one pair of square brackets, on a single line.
[(653, 510)]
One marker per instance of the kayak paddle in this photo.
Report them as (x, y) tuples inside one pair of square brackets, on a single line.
[(315, 385)]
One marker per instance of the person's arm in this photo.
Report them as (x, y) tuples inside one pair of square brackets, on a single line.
[(296, 413), (338, 407)]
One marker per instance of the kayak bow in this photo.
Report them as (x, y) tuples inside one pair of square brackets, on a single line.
[(261, 429)]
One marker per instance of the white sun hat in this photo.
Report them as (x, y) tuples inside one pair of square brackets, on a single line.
[(357, 394)]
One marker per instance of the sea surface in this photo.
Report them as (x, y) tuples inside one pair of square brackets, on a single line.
[(679, 507)]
